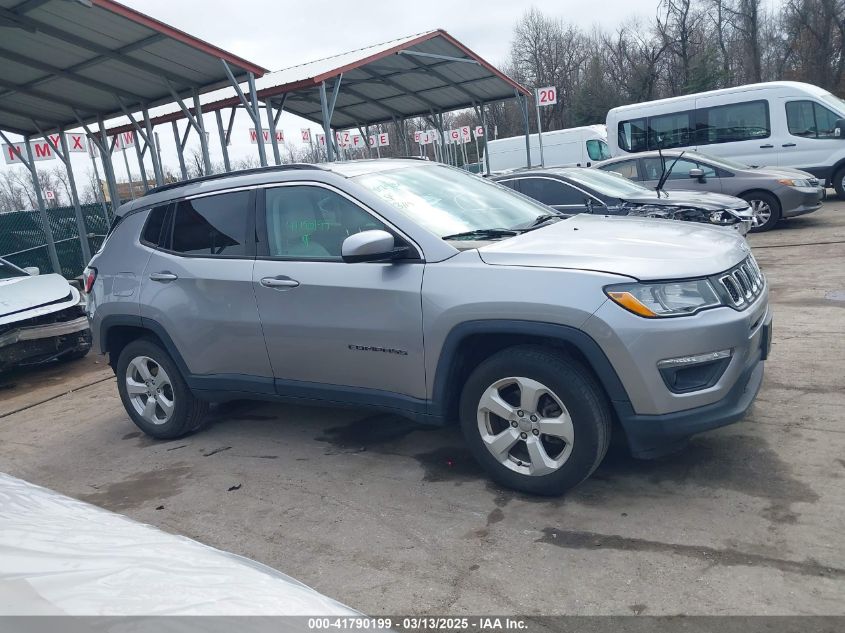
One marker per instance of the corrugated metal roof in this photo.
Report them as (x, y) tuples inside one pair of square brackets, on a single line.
[(61, 55), (411, 76)]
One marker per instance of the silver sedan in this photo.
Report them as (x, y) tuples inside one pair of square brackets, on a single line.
[(773, 192)]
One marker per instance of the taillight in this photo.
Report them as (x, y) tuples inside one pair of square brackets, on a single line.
[(90, 275)]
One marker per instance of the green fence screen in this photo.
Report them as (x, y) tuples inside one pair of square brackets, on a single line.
[(23, 241)]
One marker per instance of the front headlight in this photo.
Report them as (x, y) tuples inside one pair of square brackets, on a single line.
[(795, 182), (674, 298)]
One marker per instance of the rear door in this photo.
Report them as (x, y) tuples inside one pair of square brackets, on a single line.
[(197, 286), (329, 324)]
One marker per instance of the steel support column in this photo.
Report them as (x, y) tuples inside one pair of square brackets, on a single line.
[(484, 127), (152, 143), (200, 126), (140, 154), (108, 167), (328, 110), (29, 162), (64, 156), (223, 141), (522, 100), (180, 148), (272, 121), (256, 109), (251, 106)]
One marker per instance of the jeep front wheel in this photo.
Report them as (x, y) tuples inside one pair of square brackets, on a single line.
[(535, 419)]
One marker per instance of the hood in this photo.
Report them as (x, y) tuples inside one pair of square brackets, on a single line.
[(26, 297), (700, 199), (643, 248), (779, 172)]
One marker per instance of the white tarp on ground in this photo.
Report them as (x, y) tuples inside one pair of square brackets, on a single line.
[(62, 556)]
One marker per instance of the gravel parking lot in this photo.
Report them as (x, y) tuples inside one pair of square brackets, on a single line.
[(391, 518)]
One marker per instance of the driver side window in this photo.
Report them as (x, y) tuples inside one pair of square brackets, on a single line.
[(310, 222)]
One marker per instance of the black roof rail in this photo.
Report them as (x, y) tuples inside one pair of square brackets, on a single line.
[(227, 174)]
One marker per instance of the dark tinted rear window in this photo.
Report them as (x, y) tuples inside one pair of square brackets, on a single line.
[(213, 226), (153, 228)]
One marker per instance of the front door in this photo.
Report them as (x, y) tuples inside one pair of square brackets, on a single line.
[(679, 179), (330, 324), (811, 143)]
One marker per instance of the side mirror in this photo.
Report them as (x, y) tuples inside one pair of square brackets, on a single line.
[(698, 174), (839, 128), (32, 270), (368, 246)]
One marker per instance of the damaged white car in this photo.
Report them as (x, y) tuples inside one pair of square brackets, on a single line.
[(42, 318)]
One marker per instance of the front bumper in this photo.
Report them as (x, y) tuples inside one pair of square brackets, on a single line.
[(651, 436), (33, 344), (802, 200), (50, 330)]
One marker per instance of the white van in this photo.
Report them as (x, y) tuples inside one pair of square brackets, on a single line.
[(577, 146), (779, 123)]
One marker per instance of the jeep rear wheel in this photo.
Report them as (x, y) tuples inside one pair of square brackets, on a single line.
[(154, 393), (535, 419)]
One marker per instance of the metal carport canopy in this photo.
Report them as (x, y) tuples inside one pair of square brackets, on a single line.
[(62, 60), (418, 75)]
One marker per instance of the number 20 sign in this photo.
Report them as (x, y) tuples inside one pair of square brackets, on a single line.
[(547, 96)]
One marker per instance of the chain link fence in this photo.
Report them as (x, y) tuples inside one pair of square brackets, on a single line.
[(24, 243)]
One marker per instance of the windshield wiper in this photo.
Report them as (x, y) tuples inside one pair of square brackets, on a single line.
[(666, 172), (483, 233), (542, 220)]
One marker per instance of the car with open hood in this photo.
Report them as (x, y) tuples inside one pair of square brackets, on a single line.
[(572, 190), (773, 193), (42, 318), (419, 289)]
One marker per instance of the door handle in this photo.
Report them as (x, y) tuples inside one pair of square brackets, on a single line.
[(279, 281), (163, 276), (769, 146), (788, 145)]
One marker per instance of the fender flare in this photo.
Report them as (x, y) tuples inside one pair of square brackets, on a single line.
[(581, 341)]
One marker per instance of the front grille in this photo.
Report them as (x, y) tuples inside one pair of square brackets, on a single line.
[(743, 283)]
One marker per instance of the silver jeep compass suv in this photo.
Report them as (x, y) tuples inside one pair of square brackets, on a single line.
[(420, 289)]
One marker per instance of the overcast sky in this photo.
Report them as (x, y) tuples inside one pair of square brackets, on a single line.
[(277, 34)]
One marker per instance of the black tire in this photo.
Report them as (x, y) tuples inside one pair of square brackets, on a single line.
[(839, 183), (575, 387), (188, 410), (772, 202)]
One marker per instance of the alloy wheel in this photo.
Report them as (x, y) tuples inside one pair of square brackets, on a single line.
[(761, 211), (525, 426), (149, 389)]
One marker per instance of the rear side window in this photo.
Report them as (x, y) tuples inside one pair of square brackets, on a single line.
[(670, 130), (212, 226), (627, 168), (153, 234), (734, 122), (550, 191), (808, 119)]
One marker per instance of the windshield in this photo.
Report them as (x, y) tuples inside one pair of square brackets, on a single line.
[(7, 270), (834, 102), (605, 182), (447, 201)]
